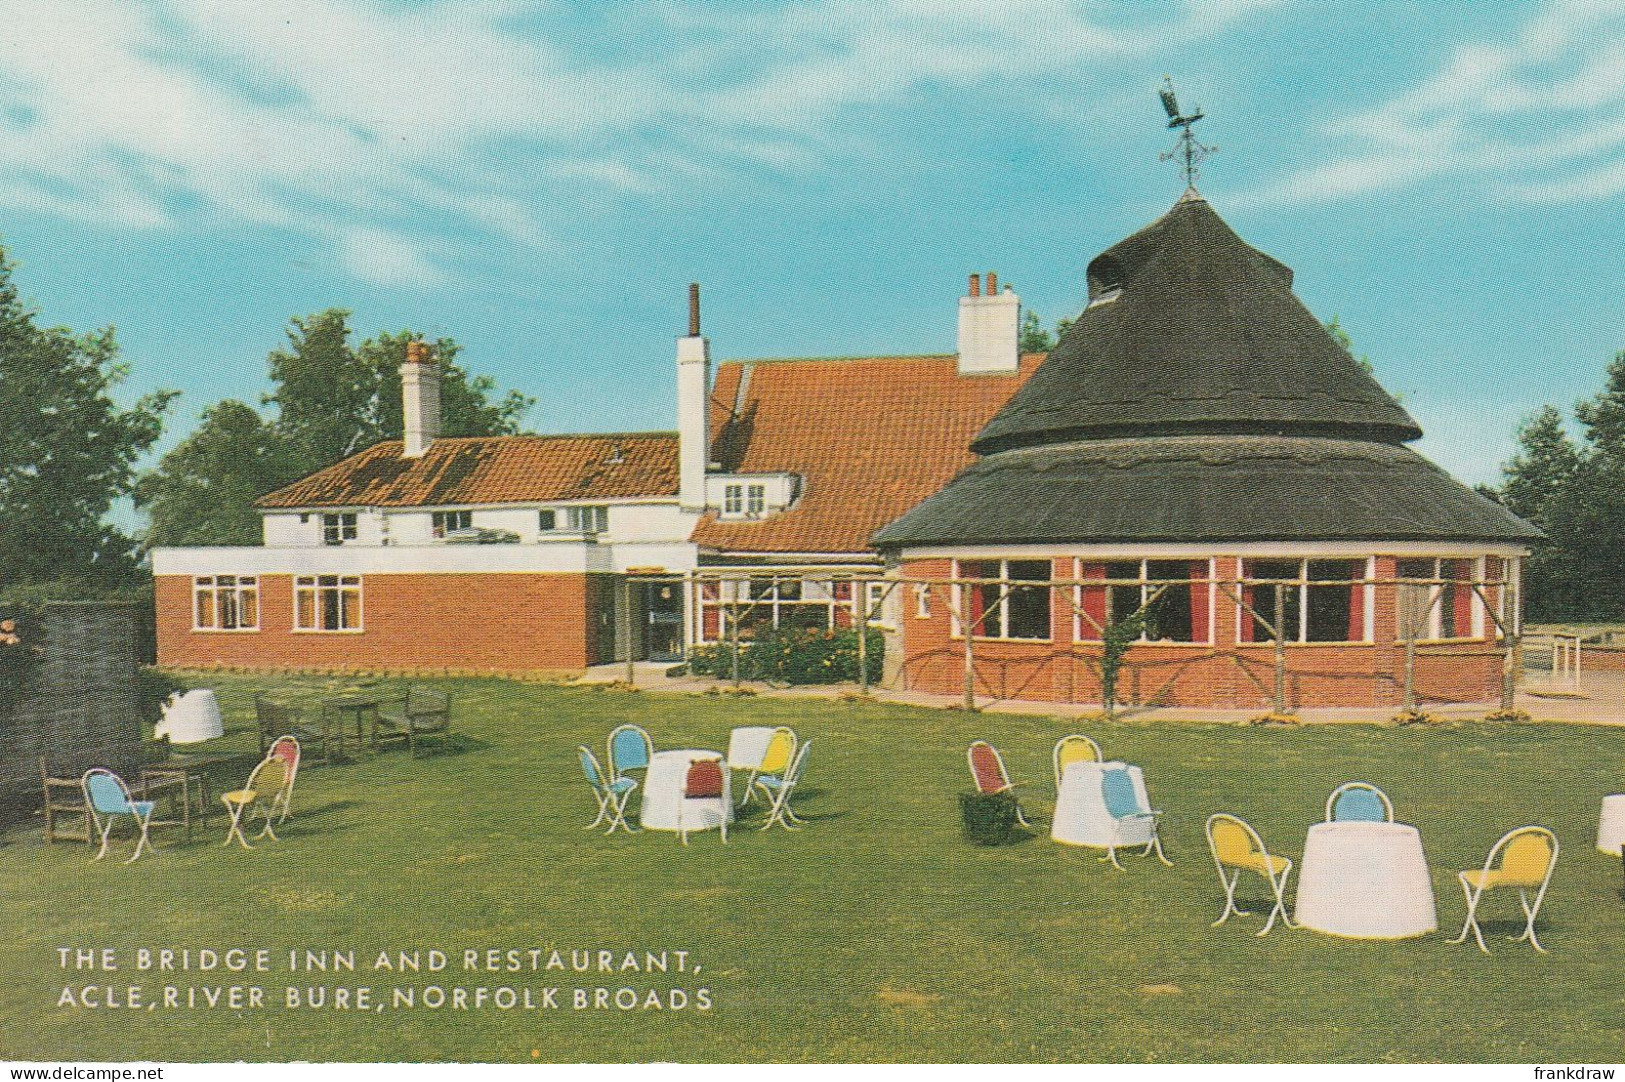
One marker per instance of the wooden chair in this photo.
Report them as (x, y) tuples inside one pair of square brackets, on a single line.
[(277, 720), (64, 799), (422, 712)]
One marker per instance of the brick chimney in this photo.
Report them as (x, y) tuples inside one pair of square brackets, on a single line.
[(989, 329), (693, 414), (420, 399)]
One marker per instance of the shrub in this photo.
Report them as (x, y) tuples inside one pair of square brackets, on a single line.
[(990, 818), (793, 656)]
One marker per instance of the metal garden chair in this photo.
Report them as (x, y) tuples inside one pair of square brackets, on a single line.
[(1528, 856), (611, 793), (286, 748), (1359, 802), (629, 749), (1237, 848), (778, 791), (776, 759), (265, 784), (1075, 748), (987, 771), (1123, 804), (107, 798), (703, 782)]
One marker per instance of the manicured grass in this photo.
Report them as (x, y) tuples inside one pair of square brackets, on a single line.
[(874, 934)]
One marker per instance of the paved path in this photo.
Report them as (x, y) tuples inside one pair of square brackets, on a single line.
[(1600, 699)]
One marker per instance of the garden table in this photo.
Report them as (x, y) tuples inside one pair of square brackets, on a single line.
[(1081, 817), (1364, 880), (663, 793), (355, 707), (1611, 824), (183, 772)]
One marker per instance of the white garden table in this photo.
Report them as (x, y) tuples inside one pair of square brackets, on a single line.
[(747, 745), (1364, 880), (1081, 817), (1611, 824), (663, 794)]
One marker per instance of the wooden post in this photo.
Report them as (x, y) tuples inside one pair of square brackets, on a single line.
[(1280, 648), (861, 604), (631, 632), (970, 673), (1410, 665), (733, 628)]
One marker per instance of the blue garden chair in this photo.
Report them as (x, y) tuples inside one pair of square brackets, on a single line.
[(1123, 804), (611, 793), (1359, 802), (629, 749), (108, 797)]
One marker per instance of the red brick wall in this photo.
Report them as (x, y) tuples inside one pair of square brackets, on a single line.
[(1223, 674), (487, 622)]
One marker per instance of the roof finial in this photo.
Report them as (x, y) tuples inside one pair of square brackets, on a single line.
[(1187, 148)]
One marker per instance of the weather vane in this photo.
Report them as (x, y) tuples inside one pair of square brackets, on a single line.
[(1188, 147)]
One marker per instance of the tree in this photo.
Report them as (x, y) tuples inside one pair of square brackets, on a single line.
[(331, 401), (1546, 482), (67, 452), (203, 491), (1034, 338)]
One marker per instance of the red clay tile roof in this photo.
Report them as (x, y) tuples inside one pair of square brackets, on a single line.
[(493, 469), (871, 437)]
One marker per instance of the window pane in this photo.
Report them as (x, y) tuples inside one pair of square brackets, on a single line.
[(226, 607), (1169, 617), (304, 609), (982, 599), (547, 520), (1125, 601), (205, 608), (1415, 619), (248, 607), (1333, 616), (331, 619), (350, 608), (1263, 599)]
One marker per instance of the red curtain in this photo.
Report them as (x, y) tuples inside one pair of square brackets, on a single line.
[(1199, 601), (710, 615), (1357, 605), (976, 595), (1462, 572), (1093, 603)]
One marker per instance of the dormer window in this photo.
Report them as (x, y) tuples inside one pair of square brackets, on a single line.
[(733, 500), (1105, 281), (744, 501), (755, 499)]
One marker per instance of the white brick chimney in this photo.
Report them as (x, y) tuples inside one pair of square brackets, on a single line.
[(989, 329), (420, 399), (693, 416)]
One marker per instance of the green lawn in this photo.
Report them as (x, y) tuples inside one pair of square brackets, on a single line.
[(874, 934)]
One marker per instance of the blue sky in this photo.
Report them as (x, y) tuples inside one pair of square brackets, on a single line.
[(541, 180)]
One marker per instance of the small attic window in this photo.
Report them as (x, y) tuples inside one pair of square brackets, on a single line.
[(1105, 281)]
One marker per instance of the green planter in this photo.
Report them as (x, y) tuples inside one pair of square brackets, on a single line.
[(990, 818)]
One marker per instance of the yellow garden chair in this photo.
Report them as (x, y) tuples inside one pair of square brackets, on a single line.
[(1528, 856), (1075, 748), (265, 786), (1237, 848), (776, 759)]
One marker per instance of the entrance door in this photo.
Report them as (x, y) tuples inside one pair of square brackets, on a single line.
[(662, 611)]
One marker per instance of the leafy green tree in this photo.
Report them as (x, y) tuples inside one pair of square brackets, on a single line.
[(67, 452), (1546, 482), (323, 398), (203, 491), (1034, 337), (468, 406)]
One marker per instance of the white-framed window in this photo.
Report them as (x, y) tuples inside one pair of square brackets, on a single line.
[(225, 603), (733, 499), (1447, 607), (922, 601), (1005, 609), (876, 593), (767, 603), (445, 522), (327, 603), (755, 499), (547, 520), (338, 527), (586, 519), (1321, 600), (1175, 595)]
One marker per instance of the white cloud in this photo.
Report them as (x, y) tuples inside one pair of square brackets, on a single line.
[(374, 128), (1534, 118)]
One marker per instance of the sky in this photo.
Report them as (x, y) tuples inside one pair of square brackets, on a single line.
[(541, 180)]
